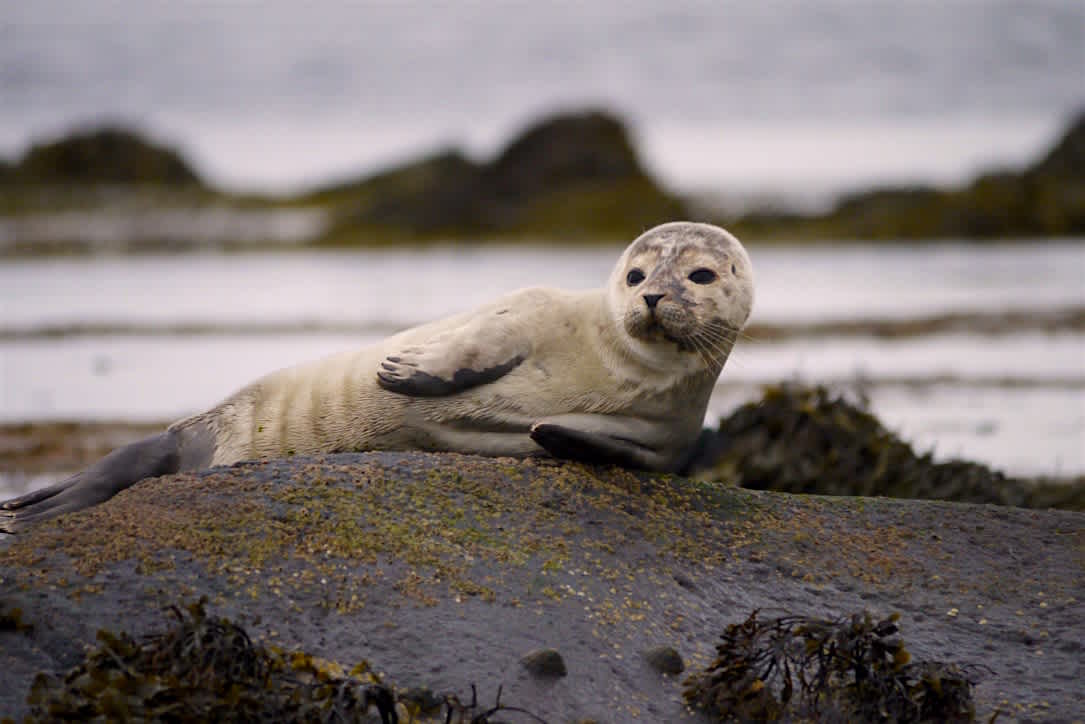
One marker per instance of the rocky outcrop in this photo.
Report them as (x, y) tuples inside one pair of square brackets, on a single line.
[(1042, 200), (1066, 161), (568, 176), (445, 571), (108, 155)]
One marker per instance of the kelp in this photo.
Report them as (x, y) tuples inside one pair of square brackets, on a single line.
[(208, 669), (800, 439), (854, 668)]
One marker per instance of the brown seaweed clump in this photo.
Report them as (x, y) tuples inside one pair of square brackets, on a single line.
[(850, 669), (800, 439), (204, 669)]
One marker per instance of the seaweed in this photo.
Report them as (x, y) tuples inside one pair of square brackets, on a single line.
[(854, 668), (800, 439), (461, 712), (207, 669)]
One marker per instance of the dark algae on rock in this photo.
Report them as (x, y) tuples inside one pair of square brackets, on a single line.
[(208, 669), (800, 439), (849, 669), (205, 669)]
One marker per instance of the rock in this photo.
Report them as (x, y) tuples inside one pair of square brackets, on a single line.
[(573, 174), (423, 197), (445, 569), (1066, 160), (665, 660), (1046, 198), (108, 155), (544, 663), (589, 147)]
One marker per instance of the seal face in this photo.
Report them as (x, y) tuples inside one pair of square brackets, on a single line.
[(621, 375), (690, 285)]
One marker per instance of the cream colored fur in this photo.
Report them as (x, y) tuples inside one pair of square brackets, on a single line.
[(583, 364)]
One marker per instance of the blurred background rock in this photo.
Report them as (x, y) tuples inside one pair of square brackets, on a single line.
[(375, 122)]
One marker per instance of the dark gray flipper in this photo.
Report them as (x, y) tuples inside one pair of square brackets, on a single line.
[(480, 349), (592, 447), (161, 454), (395, 376)]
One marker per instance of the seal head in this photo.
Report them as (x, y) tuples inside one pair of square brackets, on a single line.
[(681, 293)]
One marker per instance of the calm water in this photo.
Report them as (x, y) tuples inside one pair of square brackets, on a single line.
[(1013, 400), (739, 95)]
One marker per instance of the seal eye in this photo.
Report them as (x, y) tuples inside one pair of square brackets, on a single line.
[(733, 270), (702, 276), (634, 277)]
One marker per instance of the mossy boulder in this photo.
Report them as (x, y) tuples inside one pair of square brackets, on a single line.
[(442, 570), (571, 175), (107, 155)]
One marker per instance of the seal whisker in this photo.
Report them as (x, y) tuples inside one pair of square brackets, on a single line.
[(715, 352), (706, 356)]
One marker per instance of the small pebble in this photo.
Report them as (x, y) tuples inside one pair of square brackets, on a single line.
[(544, 663), (665, 660)]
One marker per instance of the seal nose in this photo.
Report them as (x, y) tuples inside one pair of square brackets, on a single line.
[(652, 300)]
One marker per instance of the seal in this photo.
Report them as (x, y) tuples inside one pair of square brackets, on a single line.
[(617, 375)]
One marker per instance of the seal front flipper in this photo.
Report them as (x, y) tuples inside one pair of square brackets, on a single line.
[(161, 454), (601, 440), (479, 352)]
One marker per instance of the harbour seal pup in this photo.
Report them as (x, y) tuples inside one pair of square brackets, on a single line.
[(619, 375)]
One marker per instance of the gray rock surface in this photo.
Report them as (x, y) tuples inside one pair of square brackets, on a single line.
[(443, 570)]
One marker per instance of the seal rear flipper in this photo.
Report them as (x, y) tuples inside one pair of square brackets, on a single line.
[(596, 448), (150, 457)]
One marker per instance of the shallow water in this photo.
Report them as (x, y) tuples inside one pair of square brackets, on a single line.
[(205, 324), (399, 288)]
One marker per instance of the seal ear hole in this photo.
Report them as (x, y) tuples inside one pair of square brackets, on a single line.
[(634, 277), (702, 276), (733, 270)]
